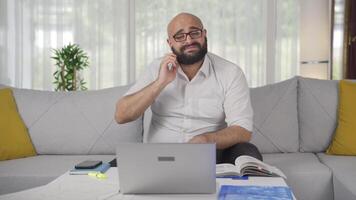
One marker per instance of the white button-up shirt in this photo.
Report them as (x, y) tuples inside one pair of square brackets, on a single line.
[(217, 97)]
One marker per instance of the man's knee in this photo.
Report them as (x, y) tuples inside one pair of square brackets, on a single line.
[(230, 154)]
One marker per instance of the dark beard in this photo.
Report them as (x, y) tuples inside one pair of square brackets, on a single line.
[(194, 58)]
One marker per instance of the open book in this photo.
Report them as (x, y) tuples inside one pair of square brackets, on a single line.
[(247, 166)]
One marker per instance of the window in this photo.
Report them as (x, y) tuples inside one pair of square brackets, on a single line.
[(123, 36), (238, 30)]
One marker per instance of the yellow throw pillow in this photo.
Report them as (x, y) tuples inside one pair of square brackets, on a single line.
[(14, 138), (344, 142)]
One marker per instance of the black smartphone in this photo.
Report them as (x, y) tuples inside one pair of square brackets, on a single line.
[(88, 164)]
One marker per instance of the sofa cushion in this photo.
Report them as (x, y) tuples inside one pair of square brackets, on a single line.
[(275, 117), (344, 142), (15, 141), (75, 122), (308, 178), (344, 175), (24, 173), (317, 113)]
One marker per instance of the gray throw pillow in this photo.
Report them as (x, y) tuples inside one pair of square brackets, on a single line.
[(317, 104), (275, 117), (75, 122)]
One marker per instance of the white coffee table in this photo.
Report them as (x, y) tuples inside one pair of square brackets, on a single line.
[(85, 187)]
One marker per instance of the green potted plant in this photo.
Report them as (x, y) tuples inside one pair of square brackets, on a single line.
[(70, 60)]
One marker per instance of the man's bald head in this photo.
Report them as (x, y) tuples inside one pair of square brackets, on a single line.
[(187, 38), (181, 20)]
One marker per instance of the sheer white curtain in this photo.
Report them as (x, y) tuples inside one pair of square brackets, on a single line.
[(260, 36), (30, 29), (123, 36)]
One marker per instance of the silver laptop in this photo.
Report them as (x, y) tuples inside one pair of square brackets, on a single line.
[(166, 168)]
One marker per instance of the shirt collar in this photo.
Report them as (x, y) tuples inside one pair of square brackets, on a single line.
[(205, 68)]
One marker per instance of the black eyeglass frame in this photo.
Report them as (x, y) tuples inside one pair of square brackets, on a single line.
[(186, 35)]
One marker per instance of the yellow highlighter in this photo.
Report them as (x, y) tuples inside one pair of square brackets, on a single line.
[(98, 175)]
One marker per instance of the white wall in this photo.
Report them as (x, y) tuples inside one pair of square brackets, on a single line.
[(315, 38)]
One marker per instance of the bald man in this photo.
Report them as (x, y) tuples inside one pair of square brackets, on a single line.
[(195, 96)]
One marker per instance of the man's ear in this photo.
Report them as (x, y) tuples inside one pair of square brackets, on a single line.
[(205, 32), (169, 43)]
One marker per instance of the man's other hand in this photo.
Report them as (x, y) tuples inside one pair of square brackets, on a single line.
[(199, 139)]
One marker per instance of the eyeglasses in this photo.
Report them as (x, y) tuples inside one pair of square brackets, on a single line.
[(180, 37)]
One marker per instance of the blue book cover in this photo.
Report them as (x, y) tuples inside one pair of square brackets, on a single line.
[(101, 168), (230, 192)]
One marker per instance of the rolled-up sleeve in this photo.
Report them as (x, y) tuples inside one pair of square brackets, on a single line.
[(147, 77), (237, 104)]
